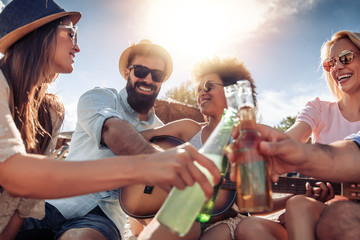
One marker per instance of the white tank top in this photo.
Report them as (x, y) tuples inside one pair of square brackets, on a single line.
[(196, 139)]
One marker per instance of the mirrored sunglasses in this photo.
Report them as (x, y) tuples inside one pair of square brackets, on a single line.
[(345, 57), (141, 71), (207, 86), (73, 31)]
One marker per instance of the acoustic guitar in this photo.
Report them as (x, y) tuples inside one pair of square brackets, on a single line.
[(142, 201)]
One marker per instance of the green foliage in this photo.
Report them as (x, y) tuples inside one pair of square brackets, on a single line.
[(286, 123), (185, 93)]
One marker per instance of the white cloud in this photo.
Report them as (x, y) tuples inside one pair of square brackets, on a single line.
[(207, 27), (70, 118), (70, 115), (274, 106), (285, 8)]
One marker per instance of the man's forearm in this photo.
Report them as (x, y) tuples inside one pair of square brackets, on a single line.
[(338, 162), (123, 139)]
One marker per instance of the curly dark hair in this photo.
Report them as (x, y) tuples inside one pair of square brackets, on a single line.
[(230, 70)]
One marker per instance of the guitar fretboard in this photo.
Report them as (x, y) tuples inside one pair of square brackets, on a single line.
[(290, 185)]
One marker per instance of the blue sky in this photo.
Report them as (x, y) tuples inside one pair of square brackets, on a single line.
[(278, 40)]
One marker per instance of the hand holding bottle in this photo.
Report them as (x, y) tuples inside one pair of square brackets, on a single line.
[(181, 207), (252, 172), (176, 167)]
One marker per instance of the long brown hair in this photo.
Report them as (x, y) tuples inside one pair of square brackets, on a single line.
[(51, 108), (25, 63)]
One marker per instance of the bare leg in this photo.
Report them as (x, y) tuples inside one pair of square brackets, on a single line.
[(13, 227), (339, 220), (136, 226), (301, 216), (155, 231), (82, 234), (254, 228), (220, 231)]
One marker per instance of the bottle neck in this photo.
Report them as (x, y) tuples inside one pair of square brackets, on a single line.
[(221, 134), (247, 118)]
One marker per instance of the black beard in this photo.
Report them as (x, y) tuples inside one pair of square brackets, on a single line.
[(139, 102)]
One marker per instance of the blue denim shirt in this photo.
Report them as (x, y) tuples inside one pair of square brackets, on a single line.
[(94, 107)]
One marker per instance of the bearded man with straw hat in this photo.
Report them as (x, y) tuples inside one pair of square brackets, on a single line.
[(108, 124)]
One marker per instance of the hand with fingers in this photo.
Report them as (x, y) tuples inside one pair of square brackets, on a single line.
[(321, 191), (176, 168), (282, 152)]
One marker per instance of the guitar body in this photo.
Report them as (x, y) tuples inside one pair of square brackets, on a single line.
[(138, 204), (142, 201), (224, 201)]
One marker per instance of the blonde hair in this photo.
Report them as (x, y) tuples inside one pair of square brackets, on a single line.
[(354, 37)]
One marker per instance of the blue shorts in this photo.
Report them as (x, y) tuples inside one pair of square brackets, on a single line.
[(55, 224)]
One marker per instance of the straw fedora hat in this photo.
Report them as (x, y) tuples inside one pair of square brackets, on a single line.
[(142, 47), (21, 17)]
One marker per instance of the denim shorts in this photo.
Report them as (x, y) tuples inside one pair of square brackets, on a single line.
[(55, 224)]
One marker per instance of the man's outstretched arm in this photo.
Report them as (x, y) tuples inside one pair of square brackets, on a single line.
[(338, 161), (123, 139)]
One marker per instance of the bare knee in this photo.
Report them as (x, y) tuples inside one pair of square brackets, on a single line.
[(248, 228), (339, 220), (220, 231), (82, 234), (300, 204), (257, 228)]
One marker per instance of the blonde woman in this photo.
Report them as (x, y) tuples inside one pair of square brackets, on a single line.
[(325, 122)]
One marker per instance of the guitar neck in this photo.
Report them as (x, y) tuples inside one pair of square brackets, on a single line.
[(297, 185), (290, 185)]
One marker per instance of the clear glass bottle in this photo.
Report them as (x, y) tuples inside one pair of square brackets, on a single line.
[(181, 207), (252, 174)]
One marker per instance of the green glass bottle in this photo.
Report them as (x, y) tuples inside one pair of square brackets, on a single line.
[(181, 207), (231, 100)]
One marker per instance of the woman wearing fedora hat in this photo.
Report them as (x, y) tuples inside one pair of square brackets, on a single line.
[(38, 40)]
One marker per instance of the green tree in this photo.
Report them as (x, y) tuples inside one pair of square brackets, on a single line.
[(286, 123), (185, 93)]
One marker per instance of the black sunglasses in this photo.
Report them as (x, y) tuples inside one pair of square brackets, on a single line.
[(207, 86), (345, 57), (141, 71)]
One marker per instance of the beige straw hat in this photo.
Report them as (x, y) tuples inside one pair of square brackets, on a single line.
[(142, 47)]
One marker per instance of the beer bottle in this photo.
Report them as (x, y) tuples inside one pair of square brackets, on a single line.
[(252, 174)]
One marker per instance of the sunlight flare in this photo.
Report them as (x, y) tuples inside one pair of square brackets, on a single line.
[(199, 27)]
